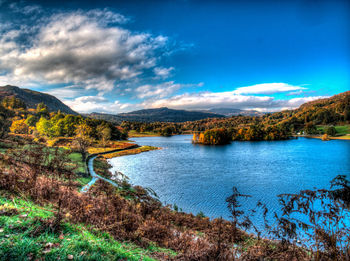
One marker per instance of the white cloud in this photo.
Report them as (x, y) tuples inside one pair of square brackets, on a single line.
[(66, 92), (296, 102), (163, 72), (79, 48), (87, 104), (161, 90), (268, 88), (207, 100)]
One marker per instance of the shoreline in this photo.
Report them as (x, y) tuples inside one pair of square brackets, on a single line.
[(131, 150), (346, 137)]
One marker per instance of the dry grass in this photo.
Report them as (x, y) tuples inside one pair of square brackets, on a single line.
[(129, 152)]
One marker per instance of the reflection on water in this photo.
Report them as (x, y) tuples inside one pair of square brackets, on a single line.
[(199, 178)]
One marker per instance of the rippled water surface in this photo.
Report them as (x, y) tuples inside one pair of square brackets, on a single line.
[(199, 178)]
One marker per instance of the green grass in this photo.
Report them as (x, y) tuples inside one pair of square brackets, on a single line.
[(83, 180), (19, 241), (77, 159), (341, 130)]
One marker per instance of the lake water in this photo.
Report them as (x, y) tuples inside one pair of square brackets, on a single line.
[(199, 178)]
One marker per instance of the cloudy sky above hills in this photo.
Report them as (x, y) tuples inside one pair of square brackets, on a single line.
[(127, 55)]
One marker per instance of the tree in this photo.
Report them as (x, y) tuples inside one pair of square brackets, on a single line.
[(13, 103), (4, 122), (44, 127), (82, 139), (19, 126), (325, 137), (310, 128), (42, 110), (70, 123), (104, 133), (31, 120), (212, 137), (167, 131), (347, 113), (331, 131)]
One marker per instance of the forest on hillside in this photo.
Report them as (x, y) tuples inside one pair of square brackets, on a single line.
[(328, 112)]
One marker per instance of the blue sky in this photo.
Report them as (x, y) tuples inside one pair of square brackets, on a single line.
[(115, 56)]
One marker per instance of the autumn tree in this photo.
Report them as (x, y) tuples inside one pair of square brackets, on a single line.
[(82, 139), (104, 133), (41, 107), (13, 103), (19, 127)]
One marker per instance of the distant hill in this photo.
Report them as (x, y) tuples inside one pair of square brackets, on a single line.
[(333, 110), (309, 117), (33, 98), (234, 112), (153, 115)]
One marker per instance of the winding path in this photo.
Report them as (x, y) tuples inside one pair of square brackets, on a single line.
[(94, 175)]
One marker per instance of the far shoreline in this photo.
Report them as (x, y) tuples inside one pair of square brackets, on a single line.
[(345, 137)]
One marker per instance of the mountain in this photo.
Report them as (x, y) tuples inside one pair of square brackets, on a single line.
[(152, 115), (33, 98), (234, 112)]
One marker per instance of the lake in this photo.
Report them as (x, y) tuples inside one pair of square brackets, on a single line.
[(199, 178)]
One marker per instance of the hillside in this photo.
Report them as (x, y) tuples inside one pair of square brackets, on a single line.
[(334, 110), (33, 98), (156, 115), (314, 118)]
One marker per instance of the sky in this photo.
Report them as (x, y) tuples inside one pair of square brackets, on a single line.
[(119, 56)]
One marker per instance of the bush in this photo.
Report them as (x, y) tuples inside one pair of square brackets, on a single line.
[(331, 131)]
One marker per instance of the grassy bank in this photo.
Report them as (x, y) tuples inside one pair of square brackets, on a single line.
[(129, 152), (136, 134), (343, 131), (25, 234), (112, 145)]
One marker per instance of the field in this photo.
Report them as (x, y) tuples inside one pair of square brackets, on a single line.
[(343, 131), (25, 234)]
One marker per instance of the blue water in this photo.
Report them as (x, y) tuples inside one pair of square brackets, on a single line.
[(199, 178)]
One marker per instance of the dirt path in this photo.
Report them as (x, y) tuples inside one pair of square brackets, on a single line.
[(94, 175)]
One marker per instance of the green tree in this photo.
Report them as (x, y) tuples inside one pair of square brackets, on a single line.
[(58, 128), (310, 128), (167, 131), (70, 122), (44, 127), (331, 131), (347, 113)]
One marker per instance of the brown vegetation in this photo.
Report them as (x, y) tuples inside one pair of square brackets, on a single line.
[(131, 213)]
